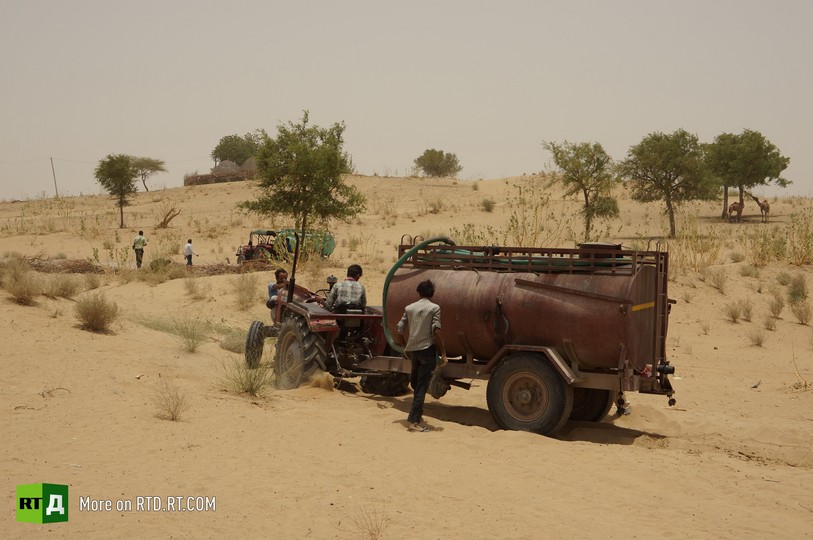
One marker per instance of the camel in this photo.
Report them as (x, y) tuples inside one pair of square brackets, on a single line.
[(764, 208), (735, 208)]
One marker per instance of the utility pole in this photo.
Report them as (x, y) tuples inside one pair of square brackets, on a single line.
[(53, 171)]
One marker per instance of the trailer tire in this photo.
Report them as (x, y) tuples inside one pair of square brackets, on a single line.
[(526, 393), (298, 351), (395, 384), (592, 404), (255, 339)]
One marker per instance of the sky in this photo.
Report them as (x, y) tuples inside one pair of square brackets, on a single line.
[(487, 81)]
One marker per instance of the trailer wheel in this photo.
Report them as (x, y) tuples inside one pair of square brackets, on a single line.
[(396, 384), (297, 351), (255, 339), (526, 393), (591, 404)]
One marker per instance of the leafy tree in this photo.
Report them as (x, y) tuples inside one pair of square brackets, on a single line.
[(438, 163), (117, 176), (146, 167), (745, 161), (301, 176), (238, 149), (668, 168), (586, 168)]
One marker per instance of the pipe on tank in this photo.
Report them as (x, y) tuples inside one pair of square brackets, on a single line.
[(437, 239)]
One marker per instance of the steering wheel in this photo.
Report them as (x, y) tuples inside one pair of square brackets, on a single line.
[(319, 296)]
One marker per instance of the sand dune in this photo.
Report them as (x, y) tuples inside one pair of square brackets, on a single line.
[(733, 458)]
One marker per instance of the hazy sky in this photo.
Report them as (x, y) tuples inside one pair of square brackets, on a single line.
[(488, 81)]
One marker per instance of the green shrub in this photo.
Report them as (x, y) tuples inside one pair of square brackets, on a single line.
[(242, 379), (797, 289), (191, 330), (487, 204)]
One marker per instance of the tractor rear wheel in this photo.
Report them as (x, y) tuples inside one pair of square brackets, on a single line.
[(299, 352), (526, 393), (591, 404), (394, 384)]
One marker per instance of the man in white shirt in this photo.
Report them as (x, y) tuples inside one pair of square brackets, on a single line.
[(188, 252), (424, 342)]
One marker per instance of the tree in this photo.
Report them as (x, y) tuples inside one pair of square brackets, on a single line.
[(437, 163), (301, 176), (586, 168), (238, 149), (117, 176), (146, 167), (745, 161), (669, 168)]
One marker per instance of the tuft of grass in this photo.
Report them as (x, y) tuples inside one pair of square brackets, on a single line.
[(757, 336), (717, 279), (23, 285), (170, 400), (783, 278), (705, 326), (62, 286), (688, 297), (194, 288), (747, 309), (96, 313), (737, 257), (776, 303), (770, 323), (487, 204), (749, 271), (241, 379), (191, 331), (476, 186), (245, 288), (801, 310), (797, 289), (92, 281), (370, 523), (234, 341), (733, 311)]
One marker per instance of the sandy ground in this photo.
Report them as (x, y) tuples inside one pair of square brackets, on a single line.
[(733, 458)]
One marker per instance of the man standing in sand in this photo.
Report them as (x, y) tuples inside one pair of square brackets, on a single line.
[(188, 252), (139, 243), (422, 346)]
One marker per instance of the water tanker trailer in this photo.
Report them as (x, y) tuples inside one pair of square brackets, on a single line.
[(559, 334)]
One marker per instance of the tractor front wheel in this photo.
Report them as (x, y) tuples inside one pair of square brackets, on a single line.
[(298, 353), (255, 339)]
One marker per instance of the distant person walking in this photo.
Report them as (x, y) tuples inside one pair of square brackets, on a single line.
[(188, 252), (425, 340), (139, 243)]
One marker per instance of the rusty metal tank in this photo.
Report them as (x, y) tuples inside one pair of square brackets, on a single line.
[(595, 308)]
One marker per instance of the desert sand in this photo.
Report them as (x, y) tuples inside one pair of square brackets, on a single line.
[(732, 459)]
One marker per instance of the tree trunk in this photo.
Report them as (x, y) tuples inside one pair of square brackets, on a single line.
[(588, 218), (725, 203), (299, 241), (144, 181), (671, 211), (121, 213)]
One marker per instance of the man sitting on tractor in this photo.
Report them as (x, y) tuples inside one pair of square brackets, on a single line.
[(348, 292)]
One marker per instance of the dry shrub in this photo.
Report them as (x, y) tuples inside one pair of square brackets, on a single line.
[(716, 278), (747, 309), (194, 288), (96, 313), (245, 380), (797, 289), (62, 286), (749, 271), (776, 303), (487, 204), (696, 249), (245, 288), (737, 257), (783, 278), (234, 342), (757, 337), (191, 331), (800, 239), (764, 245), (92, 281), (733, 311), (170, 400), (370, 523), (801, 310), (23, 286), (770, 323)]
